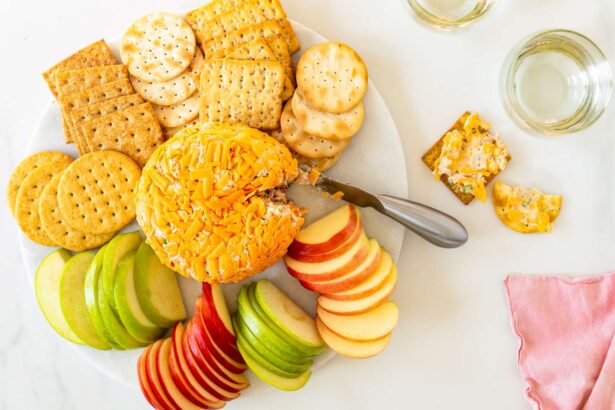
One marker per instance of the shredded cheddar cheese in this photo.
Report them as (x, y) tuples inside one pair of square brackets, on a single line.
[(206, 202)]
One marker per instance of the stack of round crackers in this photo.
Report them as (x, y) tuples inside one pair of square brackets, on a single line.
[(326, 110), (77, 205), (164, 62)]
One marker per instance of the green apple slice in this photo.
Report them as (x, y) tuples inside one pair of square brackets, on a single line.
[(261, 328), (72, 298), (272, 361), (279, 382), (157, 289), (47, 289), (288, 317), (115, 327), (115, 249), (91, 297), (130, 312)]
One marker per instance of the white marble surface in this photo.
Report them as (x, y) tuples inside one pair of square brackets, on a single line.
[(453, 347)]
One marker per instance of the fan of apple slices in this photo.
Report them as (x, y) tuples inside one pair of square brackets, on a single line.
[(355, 278)]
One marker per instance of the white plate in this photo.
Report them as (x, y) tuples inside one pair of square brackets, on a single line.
[(374, 160)]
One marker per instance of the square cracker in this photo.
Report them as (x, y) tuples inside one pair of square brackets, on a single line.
[(220, 46), (247, 13), (199, 18), (82, 115), (83, 98), (134, 131), (68, 82), (94, 55), (433, 153), (248, 92), (259, 50)]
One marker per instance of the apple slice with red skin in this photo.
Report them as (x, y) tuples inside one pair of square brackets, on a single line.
[(351, 278), (146, 389), (358, 306), (321, 257), (164, 373), (212, 385), (332, 268), (213, 368), (326, 234), (153, 378), (204, 337), (218, 321), (182, 376), (370, 285)]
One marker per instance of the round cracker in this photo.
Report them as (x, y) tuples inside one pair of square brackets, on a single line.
[(304, 143), (158, 47), (170, 132), (327, 125), (321, 164), (178, 114), (56, 227), (25, 167), (28, 198), (332, 77), (171, 91), (97, 191)]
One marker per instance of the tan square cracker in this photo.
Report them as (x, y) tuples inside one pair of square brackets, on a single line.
[(25, 167), (97, 191), (199, 18), (277, 44), (247, 13), (134, 131), (69, 82), (61, 233), (220, 46), (433, 153), (247, 92), (259, 50), (93, 95), (82, 115), (96, 54), (28, 197)]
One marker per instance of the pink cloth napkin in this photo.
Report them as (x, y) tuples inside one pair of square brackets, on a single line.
[(566, 329)]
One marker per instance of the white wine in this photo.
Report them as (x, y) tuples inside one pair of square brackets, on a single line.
[(449, 14)]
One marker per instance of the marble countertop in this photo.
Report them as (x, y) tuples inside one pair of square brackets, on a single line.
[(460, 362)]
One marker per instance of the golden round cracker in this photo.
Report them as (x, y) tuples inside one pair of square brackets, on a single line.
[(170, 132), (158, 47), (178, 114), (25, 167), (97, 191), (332, 77), (304, 143), (56, 227), (171, 91), (321, 164), (326, 125), (28, 198)]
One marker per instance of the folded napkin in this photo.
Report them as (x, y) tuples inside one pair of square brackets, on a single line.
[(566, 329)]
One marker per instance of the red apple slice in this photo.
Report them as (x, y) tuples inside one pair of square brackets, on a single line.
[(348, 348), (355, 307), (370, 285), (332, 268), (164, 373), (351, 278), (365, 327), (146, 389), (321, 257), (151, 370), (208, 362), (218, 321), (183, 377), (227, 354), (326, 234), (215, 387)]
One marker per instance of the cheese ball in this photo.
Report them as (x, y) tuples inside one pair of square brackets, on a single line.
[(211, 202)]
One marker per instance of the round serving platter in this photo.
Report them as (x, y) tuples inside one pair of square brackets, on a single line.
[(374, 161)]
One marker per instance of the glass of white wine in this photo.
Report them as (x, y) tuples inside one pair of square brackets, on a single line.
[(450, 15), (556, 82)]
